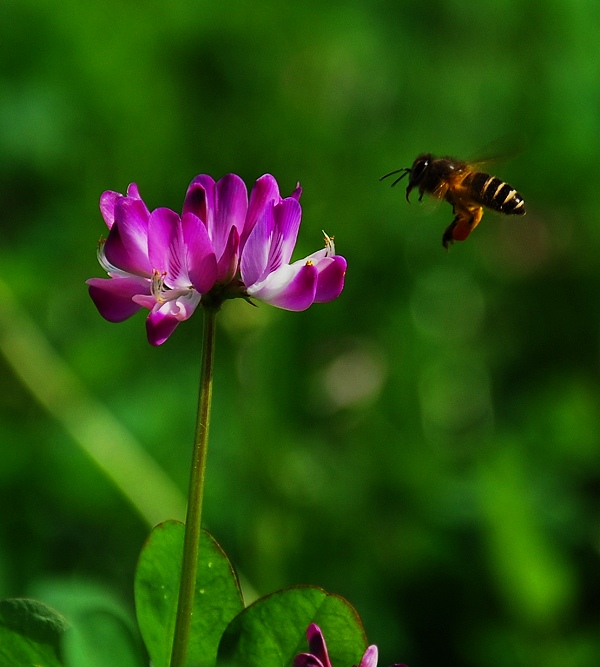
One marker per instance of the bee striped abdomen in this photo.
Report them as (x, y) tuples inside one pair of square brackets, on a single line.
[(494, 193)]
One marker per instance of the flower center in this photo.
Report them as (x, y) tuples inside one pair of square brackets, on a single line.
[(162, 293)]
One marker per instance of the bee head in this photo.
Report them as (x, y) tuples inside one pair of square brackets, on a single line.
[(416, 173)]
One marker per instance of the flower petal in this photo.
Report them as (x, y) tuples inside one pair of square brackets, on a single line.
[(264, 192), (271, 242), (297, 192), (369, 659), (166, 250), (113, 296), (200, 257), (291, 287), (228, 264), (330, 283), (317, 645), (164, 318), (307, 660), (147, 301), (200, 199), (159, 327), (108, 201), (231, 205), (255, 256), (127, 244), (287, 223), (133, 191)]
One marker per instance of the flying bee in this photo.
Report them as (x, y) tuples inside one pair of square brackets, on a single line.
[(464, 187)]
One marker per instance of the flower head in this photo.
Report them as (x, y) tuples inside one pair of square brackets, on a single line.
[(223, 245), (319, 657)]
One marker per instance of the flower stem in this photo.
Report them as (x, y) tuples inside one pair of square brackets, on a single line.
[(189, 565)]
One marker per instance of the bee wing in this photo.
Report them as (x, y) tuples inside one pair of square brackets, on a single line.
[(453, 182), (432, 201), (501, 150), (441, 190)]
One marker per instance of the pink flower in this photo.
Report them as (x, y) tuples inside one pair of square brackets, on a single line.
[(224, 245), (319, 657)]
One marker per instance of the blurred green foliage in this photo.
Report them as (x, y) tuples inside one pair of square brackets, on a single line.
[(428, 445)]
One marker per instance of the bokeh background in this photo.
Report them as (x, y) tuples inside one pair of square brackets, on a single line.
[(427, 446)]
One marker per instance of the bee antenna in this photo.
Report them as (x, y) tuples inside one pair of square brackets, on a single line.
[(404, 171)]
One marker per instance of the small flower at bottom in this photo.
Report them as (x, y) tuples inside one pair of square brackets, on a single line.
[(319, 656), (224, 245)]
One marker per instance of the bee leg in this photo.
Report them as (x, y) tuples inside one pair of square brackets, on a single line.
[(447, 238), (465, 220)]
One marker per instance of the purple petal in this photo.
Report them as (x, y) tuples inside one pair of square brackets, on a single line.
[(127, 244), (291, 287), (164, 318), (200, 199), (297, 192), (264, 192), (307, 660), (112, 296), (147, 301), (228, 264), (330, 283), (133, 191), (272, 241), (159, 327), (253, 265), (316, 644), (108, 201), (165, 246), (200, 256), (369, 659), (231, 204), (287, 223)]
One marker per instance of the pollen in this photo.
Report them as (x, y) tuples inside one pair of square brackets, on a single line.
[(329, 244), (158, 283)]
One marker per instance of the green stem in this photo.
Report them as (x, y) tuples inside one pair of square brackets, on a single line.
[(189, 565)]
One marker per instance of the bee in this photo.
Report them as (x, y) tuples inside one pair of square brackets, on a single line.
[(468, 190)]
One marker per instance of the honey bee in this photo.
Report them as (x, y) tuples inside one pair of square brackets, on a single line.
[(462, 185)]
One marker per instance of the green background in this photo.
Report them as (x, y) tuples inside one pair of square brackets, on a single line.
[(428, 445)]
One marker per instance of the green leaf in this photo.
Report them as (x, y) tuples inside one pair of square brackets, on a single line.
[(30, 634), (218, 595), (272, 631)]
